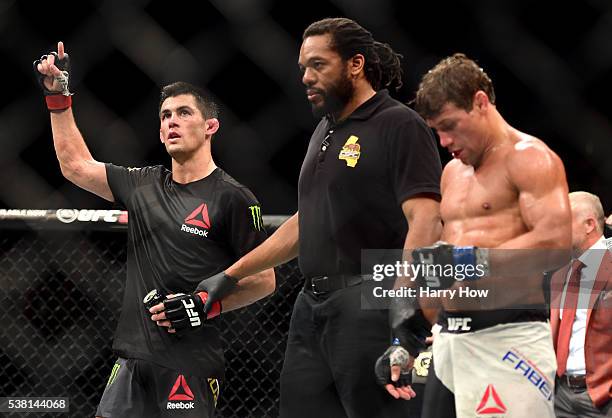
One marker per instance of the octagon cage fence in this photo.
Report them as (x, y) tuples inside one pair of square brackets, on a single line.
[(62, 274)]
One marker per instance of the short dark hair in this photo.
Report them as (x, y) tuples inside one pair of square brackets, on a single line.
[(382, 65), (205, 103), (455, 79)]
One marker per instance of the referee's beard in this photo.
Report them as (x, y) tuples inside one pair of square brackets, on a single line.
[(335, 97)]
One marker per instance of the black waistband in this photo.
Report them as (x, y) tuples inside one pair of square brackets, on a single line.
[(320, 285), (574, 381), (470, 321)]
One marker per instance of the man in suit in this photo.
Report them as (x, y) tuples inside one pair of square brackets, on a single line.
[(581, 316)]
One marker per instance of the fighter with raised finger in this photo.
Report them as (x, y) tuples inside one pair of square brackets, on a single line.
[(185, 225)]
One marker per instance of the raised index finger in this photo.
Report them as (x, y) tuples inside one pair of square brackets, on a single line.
[(60, 50)]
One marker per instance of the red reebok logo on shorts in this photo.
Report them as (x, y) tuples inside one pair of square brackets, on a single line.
[(491, 403), (203, 221), (187, 394)]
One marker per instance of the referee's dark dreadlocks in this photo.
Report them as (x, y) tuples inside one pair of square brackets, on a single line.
[(382, 64)]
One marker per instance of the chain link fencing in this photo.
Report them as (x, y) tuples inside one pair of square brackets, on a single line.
[(61, 288), (552, 80)]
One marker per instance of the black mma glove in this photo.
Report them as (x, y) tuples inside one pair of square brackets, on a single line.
[(409, 326), (396, 355), (186, 312), (443, 263), (410, 330), (153, 298), (217, 287), (58, 99)]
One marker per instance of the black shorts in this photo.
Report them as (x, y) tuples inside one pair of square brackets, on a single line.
[(137, 388)]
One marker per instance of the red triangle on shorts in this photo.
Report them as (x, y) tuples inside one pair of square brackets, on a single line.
[(186, 396), (491, 406)]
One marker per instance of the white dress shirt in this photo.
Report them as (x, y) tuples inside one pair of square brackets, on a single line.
[(592, 260)]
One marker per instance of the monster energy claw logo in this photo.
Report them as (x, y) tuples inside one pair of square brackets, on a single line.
[(113, 374), (256, 216)]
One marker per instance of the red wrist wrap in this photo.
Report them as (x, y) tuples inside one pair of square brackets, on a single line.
[(216, 306), (58, 102)]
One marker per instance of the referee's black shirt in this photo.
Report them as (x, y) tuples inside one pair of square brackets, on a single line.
[(354, 179)]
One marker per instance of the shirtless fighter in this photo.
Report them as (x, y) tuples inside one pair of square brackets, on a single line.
[(504, 204)]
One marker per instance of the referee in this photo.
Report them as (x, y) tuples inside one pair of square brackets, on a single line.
[(370, 179)]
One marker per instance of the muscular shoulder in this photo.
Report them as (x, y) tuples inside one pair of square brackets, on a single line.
[(531, 160), (534, 169)]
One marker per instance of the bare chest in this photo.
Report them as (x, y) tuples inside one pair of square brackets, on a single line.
[(469, 195)]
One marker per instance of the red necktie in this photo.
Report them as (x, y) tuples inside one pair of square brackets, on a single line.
[(569, 314)]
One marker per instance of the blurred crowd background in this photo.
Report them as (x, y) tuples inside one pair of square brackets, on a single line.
[(551, 63)]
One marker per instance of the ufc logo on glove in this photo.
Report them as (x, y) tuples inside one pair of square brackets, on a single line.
[(194, 317)]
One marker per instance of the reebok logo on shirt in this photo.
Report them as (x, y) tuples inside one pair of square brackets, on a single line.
[(199, 219)]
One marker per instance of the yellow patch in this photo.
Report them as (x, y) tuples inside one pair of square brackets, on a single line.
[(422, 362), (214, 388), (350, 152)]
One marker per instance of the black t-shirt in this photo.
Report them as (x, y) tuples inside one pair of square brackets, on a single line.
[(354, 179), (178, 235)]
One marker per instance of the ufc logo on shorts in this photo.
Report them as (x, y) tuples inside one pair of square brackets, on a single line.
[(193, 315), (459, 324)]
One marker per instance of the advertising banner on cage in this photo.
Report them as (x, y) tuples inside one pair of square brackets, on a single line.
[(99, 219)]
